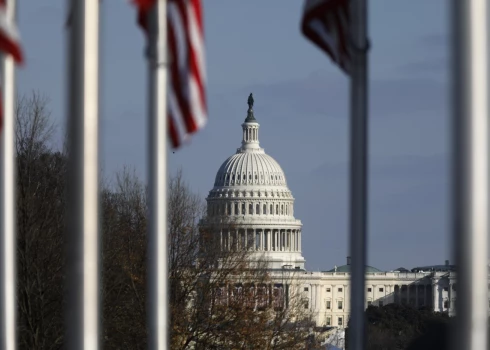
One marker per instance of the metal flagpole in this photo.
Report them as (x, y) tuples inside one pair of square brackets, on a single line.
[(82, 234), (8, 202), (470, 202), (358, 170), (157, 179)]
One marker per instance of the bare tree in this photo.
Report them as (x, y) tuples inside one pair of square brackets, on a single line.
[(219, 298), (40, 209), (124, 260)]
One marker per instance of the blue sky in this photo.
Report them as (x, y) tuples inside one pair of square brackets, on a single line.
[(301, 102)]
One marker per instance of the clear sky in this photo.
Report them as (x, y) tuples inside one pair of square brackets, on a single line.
[(301, 102)]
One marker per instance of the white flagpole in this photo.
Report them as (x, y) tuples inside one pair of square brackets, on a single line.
[(82, 235), (8, 187), (157, 180), (470, 202), (358, 170)]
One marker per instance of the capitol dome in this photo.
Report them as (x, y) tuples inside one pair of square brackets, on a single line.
[(248, 168), (250, 191)]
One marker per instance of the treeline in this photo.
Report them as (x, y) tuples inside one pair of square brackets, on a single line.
[(197, 320), (403, 327)]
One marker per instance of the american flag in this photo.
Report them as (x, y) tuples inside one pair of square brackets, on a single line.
[(186, 97), (326, 24), (9, 44)]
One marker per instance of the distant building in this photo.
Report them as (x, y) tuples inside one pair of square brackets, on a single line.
[(250, 191)]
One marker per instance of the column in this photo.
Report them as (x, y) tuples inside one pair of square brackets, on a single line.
[(255, 240), (299, 240), (435, 304), (296, 242), (268, 242), (237, 235), (313, 297), (318, 298), (449, 297)]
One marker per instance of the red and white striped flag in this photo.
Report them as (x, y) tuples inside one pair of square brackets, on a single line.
[(326, 24), (9, 44), (186, 95)]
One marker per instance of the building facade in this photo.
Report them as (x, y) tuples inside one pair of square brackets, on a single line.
[(254, 207)]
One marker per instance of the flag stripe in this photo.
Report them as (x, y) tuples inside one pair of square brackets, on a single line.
[(9, 44), (178, 74), (325, 23), (186, 102)]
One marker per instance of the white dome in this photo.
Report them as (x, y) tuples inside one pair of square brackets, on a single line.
[(249, 168), (250, 194)]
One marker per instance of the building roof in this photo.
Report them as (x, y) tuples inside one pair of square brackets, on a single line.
[(346, 268)]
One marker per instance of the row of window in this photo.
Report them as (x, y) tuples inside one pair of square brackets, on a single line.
[(340, 305), (257, 209), (340, 289), (232, 178), (228, 194), (339, 321), (328, 289)]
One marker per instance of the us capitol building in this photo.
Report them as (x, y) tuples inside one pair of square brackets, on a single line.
[(251, 191)]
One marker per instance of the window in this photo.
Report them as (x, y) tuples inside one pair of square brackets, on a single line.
[(381, 290), (255, 177), (243, 208), (340, 289), (264, 209), (370, 303), (339, 305), (257, 209), (237, 212), (251, 209), (271, 211), (446, 304), (380, 303), (306, 305), (329, 305), (277, 209), (282, 209), (370, 289), (249, 176), (328, 290), (339, 321), (328, 321), (306, 289)]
